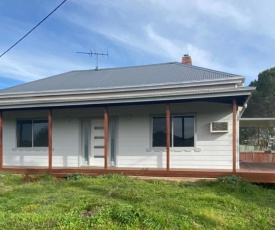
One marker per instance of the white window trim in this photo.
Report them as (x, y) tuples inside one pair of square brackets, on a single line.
[(172, 148), (31, 147)]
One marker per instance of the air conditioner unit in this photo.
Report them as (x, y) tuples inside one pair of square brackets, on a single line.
[(219, 127)]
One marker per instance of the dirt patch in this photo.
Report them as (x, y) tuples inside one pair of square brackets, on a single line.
[(176, 179)]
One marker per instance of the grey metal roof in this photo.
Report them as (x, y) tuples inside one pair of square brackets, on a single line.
[(137, 76)]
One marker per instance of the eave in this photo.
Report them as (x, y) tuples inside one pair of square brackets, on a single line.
[(122, 97), (232, 82)]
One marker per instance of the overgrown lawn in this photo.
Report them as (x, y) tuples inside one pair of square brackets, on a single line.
[(120, 202)]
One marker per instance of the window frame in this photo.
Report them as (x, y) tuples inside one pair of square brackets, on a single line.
[(172, 130), (32, 132)]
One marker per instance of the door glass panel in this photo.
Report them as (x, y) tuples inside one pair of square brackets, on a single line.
[(86, 131), (112, 129)]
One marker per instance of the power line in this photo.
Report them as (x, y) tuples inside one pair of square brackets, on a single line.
[(32, 29)]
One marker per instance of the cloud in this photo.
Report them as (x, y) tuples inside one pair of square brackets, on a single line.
[(161, 45), (222, 35), (224, 10), (168, 47), (33, 67), (146, 39)]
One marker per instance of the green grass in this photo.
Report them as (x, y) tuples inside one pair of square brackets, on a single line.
[(120, 202)]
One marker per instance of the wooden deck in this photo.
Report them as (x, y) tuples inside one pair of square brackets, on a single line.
[(257, 167), (253, 172)]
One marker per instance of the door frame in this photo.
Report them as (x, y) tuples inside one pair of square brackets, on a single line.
[(113, 136)]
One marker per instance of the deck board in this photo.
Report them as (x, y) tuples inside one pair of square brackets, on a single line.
[(253, 172)]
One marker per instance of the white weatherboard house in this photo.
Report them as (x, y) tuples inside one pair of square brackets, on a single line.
[(170, 115)]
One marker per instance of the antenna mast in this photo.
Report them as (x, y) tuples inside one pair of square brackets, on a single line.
[(96, 54)]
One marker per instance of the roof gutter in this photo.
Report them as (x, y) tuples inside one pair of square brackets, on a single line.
[(115, 99), (235, 80)]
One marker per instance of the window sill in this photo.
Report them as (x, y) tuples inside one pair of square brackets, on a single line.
[(174, 149), (30, 149)]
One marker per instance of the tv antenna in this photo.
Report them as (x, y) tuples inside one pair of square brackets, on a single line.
[(96, 54)]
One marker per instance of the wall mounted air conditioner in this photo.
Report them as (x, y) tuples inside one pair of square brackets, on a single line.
[(219, 127)]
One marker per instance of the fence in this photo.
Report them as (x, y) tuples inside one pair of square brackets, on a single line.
[(257, 157)]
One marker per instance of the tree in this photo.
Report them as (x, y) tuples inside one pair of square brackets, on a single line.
[(262, 102)]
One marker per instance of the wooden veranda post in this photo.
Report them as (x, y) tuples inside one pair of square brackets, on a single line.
[(168, 127), (1, 139), (234, 132), (106, 137), (50, 139)]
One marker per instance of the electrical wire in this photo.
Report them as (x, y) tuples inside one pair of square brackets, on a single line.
[(32, 29)]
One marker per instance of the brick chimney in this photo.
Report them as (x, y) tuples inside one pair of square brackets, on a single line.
[(186, 59)]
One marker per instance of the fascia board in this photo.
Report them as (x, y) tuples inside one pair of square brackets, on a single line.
[(77, 102), (235, 80)]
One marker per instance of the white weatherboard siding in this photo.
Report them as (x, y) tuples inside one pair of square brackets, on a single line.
[(133, 144), (66, 138), (212, 150), (13, 156), (67, 135), (65, 142)]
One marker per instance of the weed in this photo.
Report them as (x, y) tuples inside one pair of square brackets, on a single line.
[(229, 179), (119, 202), (29, 208), (76, 176)]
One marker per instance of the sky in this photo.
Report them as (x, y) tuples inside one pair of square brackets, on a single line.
[(234, 36)]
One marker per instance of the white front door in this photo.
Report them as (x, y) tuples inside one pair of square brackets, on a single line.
[(92, 139), (97, 142)]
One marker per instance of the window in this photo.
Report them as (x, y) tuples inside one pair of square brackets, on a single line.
[(32, 133), (181, 133)]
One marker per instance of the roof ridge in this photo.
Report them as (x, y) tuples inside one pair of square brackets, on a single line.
[(207, 69), (136, 66), (157, 64)]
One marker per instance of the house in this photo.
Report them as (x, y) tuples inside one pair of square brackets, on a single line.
[(162, 116)]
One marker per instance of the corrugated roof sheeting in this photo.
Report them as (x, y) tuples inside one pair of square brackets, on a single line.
[(158, 74)]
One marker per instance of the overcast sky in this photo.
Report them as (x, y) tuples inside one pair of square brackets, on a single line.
[(235, 36)]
